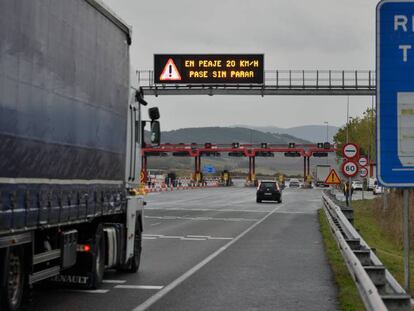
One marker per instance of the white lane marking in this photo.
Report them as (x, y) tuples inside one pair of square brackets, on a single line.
[(192, 239), (204, 210), (154, 298), (199, 218), (198, 236), (188, 237), (156, 224), (88, 291), (139, 287), (114, 281)]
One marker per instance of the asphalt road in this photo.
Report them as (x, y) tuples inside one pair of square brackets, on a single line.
[(217, 249)]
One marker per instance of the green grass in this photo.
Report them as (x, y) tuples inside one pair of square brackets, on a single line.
[(389, 252), (348, 296)]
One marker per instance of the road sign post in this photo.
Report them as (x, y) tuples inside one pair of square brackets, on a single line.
[(395, 104), (350, 151)]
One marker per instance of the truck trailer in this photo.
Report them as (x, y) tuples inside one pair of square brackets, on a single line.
[(320, 174), (69, 146)]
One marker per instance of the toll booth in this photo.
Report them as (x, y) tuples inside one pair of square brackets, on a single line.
[(282, 181), (225, 179)]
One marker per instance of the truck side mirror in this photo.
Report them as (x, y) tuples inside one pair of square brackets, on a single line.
[(155, 132), (154, 113)]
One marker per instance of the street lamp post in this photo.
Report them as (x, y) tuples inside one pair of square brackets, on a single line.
[(327, 131)]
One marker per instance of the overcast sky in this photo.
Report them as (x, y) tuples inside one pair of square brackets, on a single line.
[(293, 34)]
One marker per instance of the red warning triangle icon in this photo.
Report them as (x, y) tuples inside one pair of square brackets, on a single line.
[(170, 72)]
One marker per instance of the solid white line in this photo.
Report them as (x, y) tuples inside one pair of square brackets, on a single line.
[(139, 287), (86, 291), (198, 236), (219, 238), (153, 299), (114, 281), (199, 218), (149, 237), (156, 224), (192, 239), (204, 210)]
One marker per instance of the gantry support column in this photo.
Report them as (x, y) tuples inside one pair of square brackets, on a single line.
[(304, 169), (197, 169), (254, 179)]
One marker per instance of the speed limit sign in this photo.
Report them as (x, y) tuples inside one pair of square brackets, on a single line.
[(363, 172), (349, 168)]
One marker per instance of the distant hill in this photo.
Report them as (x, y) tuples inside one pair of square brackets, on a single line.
[(313, 133), (223, 135)]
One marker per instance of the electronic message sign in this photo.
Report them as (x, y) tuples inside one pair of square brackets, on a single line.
[(208, 68)]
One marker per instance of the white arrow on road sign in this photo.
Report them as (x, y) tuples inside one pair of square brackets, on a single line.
[(350, 151)]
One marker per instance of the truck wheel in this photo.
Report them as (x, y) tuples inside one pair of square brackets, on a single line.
[(12, 292), (135, 261), (98, 255)]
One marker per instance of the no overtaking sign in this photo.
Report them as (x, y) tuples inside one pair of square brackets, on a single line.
[(350, 150)]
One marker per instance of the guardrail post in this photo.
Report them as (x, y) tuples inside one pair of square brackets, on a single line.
[(290, 79), (317, 78), (369, 80), (356, 79), (303, 79), (330, 81), (277, 78)]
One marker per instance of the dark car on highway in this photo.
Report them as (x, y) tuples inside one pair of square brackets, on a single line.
[(268, 191)]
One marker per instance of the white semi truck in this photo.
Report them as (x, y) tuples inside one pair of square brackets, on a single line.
[(69, 146)]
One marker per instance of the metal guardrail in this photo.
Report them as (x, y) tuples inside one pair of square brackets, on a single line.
[(378, 288), (276, 82)]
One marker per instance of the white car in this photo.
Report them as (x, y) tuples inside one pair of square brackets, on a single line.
[(294, 183), (357, 185), (378, 189)]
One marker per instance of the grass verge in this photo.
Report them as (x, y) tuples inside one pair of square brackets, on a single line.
[(348, 296), (367, 221)]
